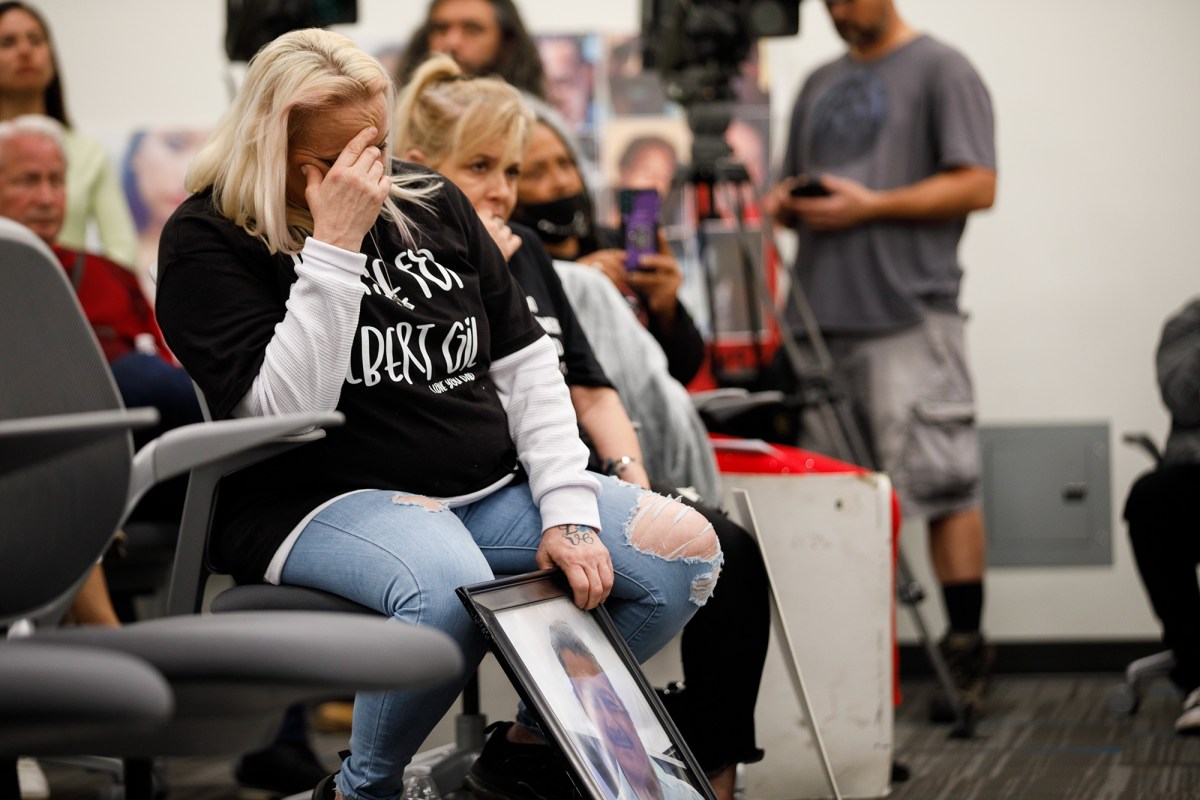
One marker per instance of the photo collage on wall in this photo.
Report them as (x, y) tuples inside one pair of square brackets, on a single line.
[(632, 136), (150, 165)]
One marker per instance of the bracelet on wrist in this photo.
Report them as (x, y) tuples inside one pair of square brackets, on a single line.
[(615, 466)]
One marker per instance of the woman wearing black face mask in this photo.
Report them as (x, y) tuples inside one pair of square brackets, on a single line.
[(552, 199), (564, 223)]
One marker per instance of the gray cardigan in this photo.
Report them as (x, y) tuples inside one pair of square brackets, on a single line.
[(675, 445)]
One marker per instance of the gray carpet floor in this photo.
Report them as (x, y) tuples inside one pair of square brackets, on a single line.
[(1043, 737), (1051, 737)]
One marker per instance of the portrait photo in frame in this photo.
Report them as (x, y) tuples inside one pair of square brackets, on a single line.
[(577, 676)]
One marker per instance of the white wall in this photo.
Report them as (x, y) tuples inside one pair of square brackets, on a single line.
[(1068, 278)]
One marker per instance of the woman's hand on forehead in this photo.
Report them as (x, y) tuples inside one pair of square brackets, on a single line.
[(346, 199)]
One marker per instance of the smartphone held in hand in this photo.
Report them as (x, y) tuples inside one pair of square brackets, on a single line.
[(806, 186), (639, 223)]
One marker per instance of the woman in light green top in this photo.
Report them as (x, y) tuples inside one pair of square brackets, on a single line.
[(30, 84)]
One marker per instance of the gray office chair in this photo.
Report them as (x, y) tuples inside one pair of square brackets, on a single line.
[(67, 479), (195, 565), (56, 693)]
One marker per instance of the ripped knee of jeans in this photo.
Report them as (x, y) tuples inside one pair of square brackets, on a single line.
[(420, 501), (660, 526)]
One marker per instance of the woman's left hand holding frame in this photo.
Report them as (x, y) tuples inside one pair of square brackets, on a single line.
[(583, 559)]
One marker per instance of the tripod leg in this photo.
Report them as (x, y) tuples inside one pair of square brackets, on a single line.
[(911, 595)]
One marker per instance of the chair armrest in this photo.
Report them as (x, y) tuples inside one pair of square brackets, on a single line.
[(55, 694), (274, 650), (723, 405), (1142, 440), (29, 440), (701, 399), (190, 570), (180, 450)]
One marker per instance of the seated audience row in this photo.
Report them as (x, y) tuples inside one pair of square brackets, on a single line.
[(147, 376), (340, 255)]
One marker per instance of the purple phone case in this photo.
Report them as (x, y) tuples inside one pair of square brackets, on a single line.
[(639, 219)]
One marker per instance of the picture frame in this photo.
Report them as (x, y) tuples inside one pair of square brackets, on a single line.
[(575, 673)]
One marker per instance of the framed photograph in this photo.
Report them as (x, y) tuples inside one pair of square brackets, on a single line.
[(573, 670)]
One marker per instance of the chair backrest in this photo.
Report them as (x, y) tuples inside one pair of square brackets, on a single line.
[(56, 515)]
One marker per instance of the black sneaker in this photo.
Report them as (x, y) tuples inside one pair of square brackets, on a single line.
[(282, 768), (326, 789), (969, 658), (509, 771)]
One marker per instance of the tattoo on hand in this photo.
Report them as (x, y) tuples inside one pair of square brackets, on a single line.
[(579, 534)]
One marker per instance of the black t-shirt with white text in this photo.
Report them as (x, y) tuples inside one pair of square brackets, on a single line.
[(533, 268), (422, 415)]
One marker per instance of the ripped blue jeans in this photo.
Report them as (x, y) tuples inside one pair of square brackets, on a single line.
[(404, 556)]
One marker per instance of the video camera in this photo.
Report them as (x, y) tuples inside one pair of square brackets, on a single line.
[(249, 24), (697, 47)]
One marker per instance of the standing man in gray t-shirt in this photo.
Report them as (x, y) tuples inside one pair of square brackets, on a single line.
[(898, 134)]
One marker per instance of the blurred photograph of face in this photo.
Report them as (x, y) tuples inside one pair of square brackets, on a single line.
[(749, 149), (649, 163), (569, 79), (158, 164), (644, 153), (607, 712), (632, 89), (588, 695)]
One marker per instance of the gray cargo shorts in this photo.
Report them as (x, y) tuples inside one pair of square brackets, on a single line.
[(911, 394)]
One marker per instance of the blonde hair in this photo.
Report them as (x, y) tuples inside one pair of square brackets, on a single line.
[(245, 160), (443, 112)]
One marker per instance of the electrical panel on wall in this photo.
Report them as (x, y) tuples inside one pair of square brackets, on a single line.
[(1047, 497)]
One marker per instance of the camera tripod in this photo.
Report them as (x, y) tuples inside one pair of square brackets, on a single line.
[(819, 390)]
